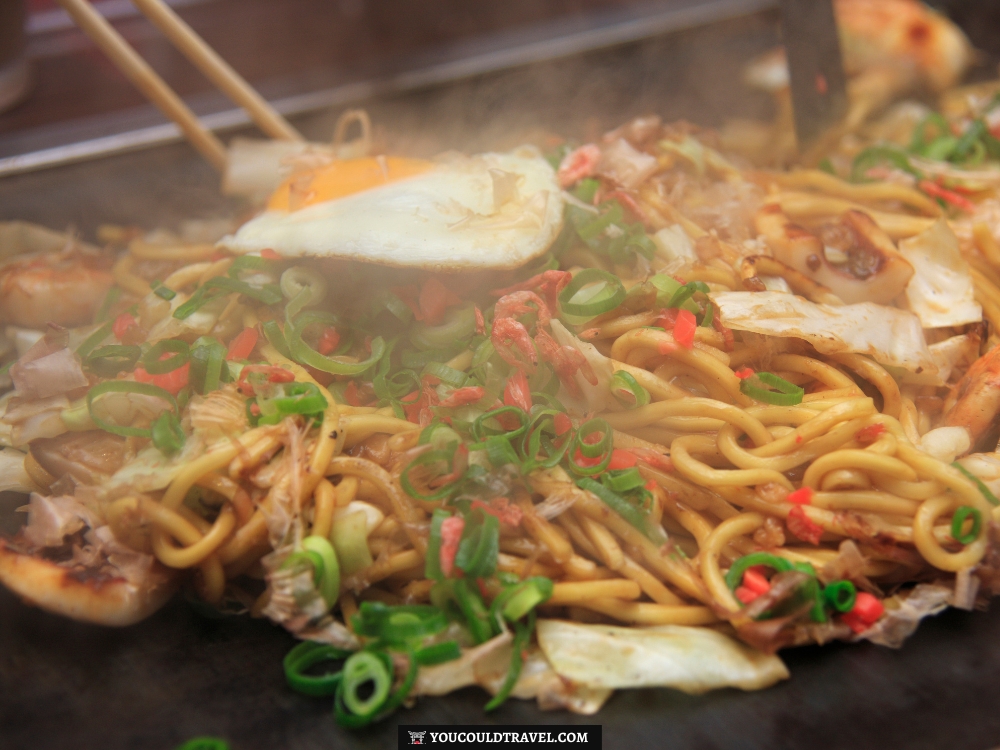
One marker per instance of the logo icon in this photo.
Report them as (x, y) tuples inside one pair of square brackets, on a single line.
[(417, 738)]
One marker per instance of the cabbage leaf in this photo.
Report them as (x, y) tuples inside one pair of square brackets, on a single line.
[(940, 291), (691, 659), (890, 336)]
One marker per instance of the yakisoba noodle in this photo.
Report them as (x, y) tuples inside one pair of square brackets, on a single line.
[(603, 448)]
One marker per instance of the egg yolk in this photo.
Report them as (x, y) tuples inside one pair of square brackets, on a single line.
[(343, 178)]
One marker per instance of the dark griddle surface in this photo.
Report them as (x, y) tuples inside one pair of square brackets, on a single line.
[(180, 674)]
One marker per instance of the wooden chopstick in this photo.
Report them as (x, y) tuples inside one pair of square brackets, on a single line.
[(217, 70), (146, 80)]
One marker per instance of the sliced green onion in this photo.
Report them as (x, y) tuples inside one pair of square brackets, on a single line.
[(349, 536), (811, 591), (125, 386), (164, 292), (360, 669), (684, 293), (619, 244), (397, 385), (269, 294), (634, 240), (208, 362), (459, 324), (204, 743), (108, 361), (734, 578), (420, 359), (432, 559), (152, 363), (548, 400), (500, 452), (522, 634), (542, 448), (250, 263), (544, 380), (307, 557), (708, 319), (593, 227), (292, 398), (969, 141), (398, 624), (920, 141), (167, 434), (625, 509), (547, 262), (93, 340), (329, 584), (195, 302), (666, 287), (610, 297), (346, 718), (586, 189), (556, 156), (439, 653), (958, 520), (475, 612), (389, 301), (302, 287), (758, 387), (979, 152), (516, 600), (429, 459), (940, 149), (276, 338), (874, 156), (623, 480), (306, 355), (481, 429), (483, 352), (627, 390), (379, 383), (439, 435), (447, 375), (841, 595), (983, 489), (601, 449), (992, 146), (306, 655), (479, 548)]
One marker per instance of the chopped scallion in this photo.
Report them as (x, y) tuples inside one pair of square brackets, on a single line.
[(759, 387), (608, 298), (627, 390), (962, 514)]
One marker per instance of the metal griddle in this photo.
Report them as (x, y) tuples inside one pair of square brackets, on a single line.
[(182, 673)]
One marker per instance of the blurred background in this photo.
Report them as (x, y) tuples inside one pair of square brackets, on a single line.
[(434, 74)]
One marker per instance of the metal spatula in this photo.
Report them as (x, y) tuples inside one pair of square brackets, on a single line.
[(816, 73)]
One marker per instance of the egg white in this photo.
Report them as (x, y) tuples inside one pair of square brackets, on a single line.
[(467, 212)]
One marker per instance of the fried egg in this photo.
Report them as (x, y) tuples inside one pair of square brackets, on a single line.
[(494, 210)]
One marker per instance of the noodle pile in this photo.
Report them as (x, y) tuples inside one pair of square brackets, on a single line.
[(595, 419)]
